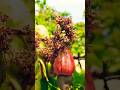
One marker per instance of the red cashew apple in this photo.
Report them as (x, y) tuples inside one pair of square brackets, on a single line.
[(64, 63)]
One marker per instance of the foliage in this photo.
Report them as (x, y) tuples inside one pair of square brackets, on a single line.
[(79, 45)]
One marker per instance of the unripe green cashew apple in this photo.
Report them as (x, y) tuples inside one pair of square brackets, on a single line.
[(64, 63), (42, 31)]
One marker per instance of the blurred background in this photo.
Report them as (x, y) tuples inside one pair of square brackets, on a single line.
[(103, 53)]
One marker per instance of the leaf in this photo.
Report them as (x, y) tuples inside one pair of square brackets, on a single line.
[(78, 80), (44, 84), (38, 76), (53, 81), (43, 68), (45, 74)]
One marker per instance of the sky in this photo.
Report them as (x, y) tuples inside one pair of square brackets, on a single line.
[(75, 7)]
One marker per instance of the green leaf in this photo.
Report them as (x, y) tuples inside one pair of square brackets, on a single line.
[(45, 75), (79, 80)]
